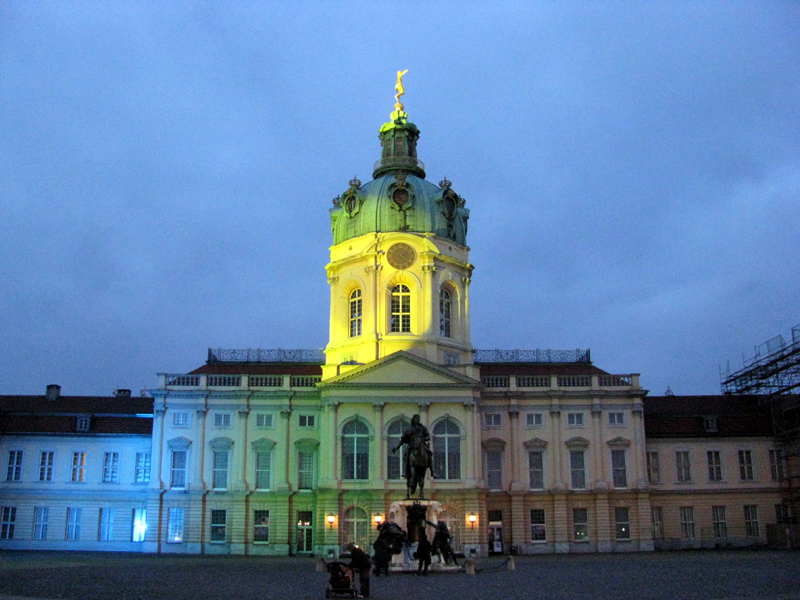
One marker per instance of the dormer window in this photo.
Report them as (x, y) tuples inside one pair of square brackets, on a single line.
[(83, 423), (710, 424)]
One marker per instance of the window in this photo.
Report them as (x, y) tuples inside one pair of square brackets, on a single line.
[(111, 467), (653, 468), (355, 450), (263, 470), (719, 521), (536, 469), (178, 469), (356, 526), (580, 524), (492, 420), (783, 514), (447, 450), (534, 420), (46, 466), (494, 469), (622, 523), (683, 468), (305, 470), (106, 533), (306, 421), (139, 524), (574, 419), (175, 526), (14, 472), (261, 526), (616, 419), (714, 465), (41, 514), (222, 420), (751, 520), (619, 472), (355, 313), (73, 524), (538, 530), (219, 519), (394, 460), (776, 465), (577, 466), (451, 358), (180, 419), (220, 474), (142, 474), (82, 423), (8, 520), (687, 522), (265, 421), (746, 465), (78, 467), (444, 313), (454, 521), (710, 424), (401, 309), (658, 522)]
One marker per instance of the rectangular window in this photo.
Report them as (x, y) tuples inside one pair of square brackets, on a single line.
[(574, 419), (782, 514), (776, 465), (537, 525), (261, 526), (180, 419), (714, 465), (658, 522), (139, 524), (746, 465), (536, 469), (264, 420), (751, 520), (710, 424), (41, 514), (106, 533), (222, 420), (577, 465), (653, 468), (142, 467), (178, 469), (8, 521), (616, 419), (14, 472), (83, 423), (218, 526), (580, 524), (492, 420), (220, 475), (175, 526), (719, 521), (683, 467), (494, 470), (622, 523), (305, 470), (306, 421), (263, 470), (78, 467), (534, 420), (111, 467), (451, 358), (46, 466), (73, 524), (619, 472), (687, 522)]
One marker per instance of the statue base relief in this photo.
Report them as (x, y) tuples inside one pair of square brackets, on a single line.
[(399, 513)]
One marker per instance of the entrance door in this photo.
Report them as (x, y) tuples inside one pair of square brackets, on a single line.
[(495, 537), (305, 531)]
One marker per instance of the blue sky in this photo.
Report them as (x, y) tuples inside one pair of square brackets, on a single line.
[(166, 169)]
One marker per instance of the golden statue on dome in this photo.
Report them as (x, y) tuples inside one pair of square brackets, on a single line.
[(400, 90)]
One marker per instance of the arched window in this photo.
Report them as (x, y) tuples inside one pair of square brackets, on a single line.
[(401, 309), (355, 313), (355, 527), (447, 450), (454, 522), (444, 313), (394, 462), (355, 450)]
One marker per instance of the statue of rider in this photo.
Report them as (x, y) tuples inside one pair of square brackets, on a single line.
[(415, 434)]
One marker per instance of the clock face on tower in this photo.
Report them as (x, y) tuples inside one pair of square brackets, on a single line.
[(401, 256)]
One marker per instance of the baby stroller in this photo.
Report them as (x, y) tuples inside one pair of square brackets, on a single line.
[(342, 581)]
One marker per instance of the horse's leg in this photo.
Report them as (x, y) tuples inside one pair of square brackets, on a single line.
[(422, 487)]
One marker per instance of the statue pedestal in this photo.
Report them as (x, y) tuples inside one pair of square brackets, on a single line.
[(399, 513)]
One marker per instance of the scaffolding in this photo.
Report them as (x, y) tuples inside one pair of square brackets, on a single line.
[(773, 374)]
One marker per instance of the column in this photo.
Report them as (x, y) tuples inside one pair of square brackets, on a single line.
[(638, 454), (598, 450), (557, 476), (157, 449), (470, 480), (328, 457), (282, 476), (377, 469), (515, 449), (239, 475), (198, 454)]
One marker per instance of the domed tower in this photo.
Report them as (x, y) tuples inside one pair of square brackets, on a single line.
[(399, 270)]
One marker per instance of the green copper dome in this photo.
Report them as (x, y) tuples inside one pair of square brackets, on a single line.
[(399, 198)]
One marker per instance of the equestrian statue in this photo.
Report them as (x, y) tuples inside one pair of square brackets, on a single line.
[(417, 456)]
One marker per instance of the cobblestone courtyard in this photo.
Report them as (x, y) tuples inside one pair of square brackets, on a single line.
[(764, 575)]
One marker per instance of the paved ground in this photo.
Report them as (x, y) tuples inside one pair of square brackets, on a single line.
[(691, 575)]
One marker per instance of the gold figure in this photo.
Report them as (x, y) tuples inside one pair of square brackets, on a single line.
[(399, 89)]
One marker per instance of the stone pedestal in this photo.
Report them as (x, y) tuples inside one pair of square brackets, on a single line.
[(398, 513)]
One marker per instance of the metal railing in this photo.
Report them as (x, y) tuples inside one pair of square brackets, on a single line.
[(262, 355), (533, 356)]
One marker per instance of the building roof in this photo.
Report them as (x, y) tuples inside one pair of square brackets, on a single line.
[(685, 416)]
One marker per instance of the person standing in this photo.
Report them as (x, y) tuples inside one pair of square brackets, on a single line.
[(361, 562), (423, 552)]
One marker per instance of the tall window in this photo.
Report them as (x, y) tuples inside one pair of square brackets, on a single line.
[(622, 523), (355, 313), (175, 526), (619, 471), (139, 524), (447, 450), (8, 520), (746, 465), (536, 469), (454, 522), (444, 313), (683, 469), (719, 521), (401, 309), (261, 526), (355, 450), (220, 475), (106, 533), (178, 469), (142, 467), (714, 465), (653, 468), (494, 469), (356, 526), (687, 521), (577, 467), (305, 470), (538, 532), (41, 515), (219, 525), (73, 523), (46, 466), (111, 467), (78, 467), (394, 460), (776, 465), (658, 522), (263, 470), (580, 524), (751, 520), (14, 472)]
